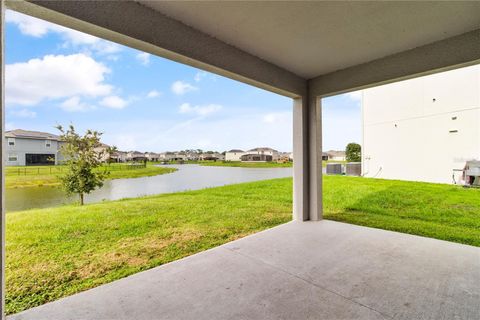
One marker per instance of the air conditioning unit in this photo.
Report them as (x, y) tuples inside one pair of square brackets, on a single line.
[(472, 173), (334, 168), (353, 169)]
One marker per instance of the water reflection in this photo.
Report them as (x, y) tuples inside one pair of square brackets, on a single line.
[(188, 177)]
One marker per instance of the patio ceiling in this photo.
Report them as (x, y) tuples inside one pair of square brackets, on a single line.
[(315, 38)]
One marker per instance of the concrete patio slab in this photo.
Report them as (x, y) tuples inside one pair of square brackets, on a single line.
[(313, 270)]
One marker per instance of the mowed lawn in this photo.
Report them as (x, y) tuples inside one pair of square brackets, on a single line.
[(36, 176), (56, 252)]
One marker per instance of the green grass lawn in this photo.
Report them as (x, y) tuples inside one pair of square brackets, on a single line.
[(35, 176), (56, 252)]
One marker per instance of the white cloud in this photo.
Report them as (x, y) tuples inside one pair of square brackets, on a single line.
[(10, 126), (199, 76), (199, 110), (74, 104), (24, 113), (355, 95), (29, 25), (181, 87), (277, 117), (38, 28), (114, 102), (153, 94), (53, 77), (106, 47), (144, 58)]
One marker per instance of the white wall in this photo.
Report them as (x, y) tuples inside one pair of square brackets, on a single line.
[(233, 156), (408, 126)]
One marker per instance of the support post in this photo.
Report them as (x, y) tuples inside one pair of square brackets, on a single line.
[(315, 158), (307, 159), (300, 159)]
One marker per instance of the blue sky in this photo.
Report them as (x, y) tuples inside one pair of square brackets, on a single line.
[(56, 75)]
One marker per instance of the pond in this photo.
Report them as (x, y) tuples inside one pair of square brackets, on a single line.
[(187, 177)]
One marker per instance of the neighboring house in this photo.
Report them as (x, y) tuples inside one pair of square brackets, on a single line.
[(166, 156), (263, 151), (333, 155), (234, 155), (424, 128), (136, 156), (119, 156), (179, 156), (102, 149), (209, 156), (152, 156), (193, 156), (256, 157), (284, 157), (32, 148)]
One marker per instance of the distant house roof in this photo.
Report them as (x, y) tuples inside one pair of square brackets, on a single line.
[(135, 154), (336, 153), (263, 149), (103, 145), (25, 134), (235, 150)]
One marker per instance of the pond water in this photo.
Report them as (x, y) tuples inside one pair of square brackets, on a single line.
[(187, 177)]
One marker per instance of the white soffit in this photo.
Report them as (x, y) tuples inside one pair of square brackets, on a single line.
[(315, 38)]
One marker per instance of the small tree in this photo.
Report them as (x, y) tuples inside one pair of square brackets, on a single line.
[(353, 152), (81, 158)]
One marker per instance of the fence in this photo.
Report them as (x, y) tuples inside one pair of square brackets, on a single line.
[(49, 170)]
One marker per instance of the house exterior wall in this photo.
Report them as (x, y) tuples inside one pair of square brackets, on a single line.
[(256, 157), (25, 146), (272, 153), (422, 129), (337, 158), (233, 156)]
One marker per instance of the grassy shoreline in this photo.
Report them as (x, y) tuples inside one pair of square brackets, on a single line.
[(48, 176), (240, 164), (55, 252)]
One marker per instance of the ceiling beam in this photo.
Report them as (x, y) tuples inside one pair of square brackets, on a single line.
[(451, 53), (134, 25)]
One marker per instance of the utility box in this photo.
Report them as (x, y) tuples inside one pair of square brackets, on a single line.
[(472, 173), (353, 169), (334, 168)]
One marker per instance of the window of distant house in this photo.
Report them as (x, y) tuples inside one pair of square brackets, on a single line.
[(48, 143), (11, 142), (12, 157)]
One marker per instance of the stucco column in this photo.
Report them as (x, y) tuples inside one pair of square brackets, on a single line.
[(307, 159), (315, 158), (300, 159)]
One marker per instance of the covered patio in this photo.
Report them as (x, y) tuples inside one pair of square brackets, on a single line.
[(299, 270), (306, 51)]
